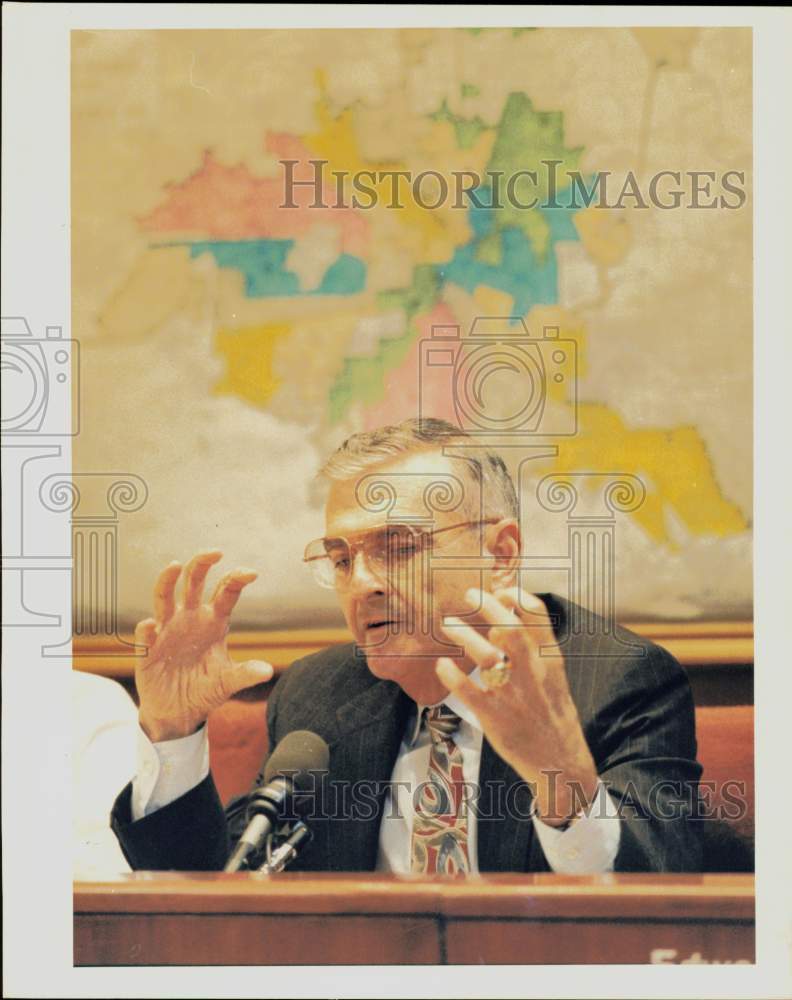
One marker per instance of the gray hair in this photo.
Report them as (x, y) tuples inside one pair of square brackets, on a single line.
[(485, 468)]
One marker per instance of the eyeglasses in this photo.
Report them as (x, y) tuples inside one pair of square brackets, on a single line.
[(388, 549)]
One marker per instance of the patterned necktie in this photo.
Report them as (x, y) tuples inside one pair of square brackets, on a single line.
[(440, 827)]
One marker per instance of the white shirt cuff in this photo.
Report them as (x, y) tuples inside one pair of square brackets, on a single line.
[(587, 847), (166, 771)]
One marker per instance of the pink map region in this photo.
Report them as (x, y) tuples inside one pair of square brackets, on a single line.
[(229, 203), (400, 399)]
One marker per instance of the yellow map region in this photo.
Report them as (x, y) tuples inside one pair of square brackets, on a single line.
[(432, 234), (673, 465), (248, 352)]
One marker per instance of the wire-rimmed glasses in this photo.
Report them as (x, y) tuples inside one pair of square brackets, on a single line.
[(388, 549)]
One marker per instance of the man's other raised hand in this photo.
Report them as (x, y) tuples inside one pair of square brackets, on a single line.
[(186, 671)]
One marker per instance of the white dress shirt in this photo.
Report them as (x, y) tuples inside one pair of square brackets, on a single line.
[(168, 770), (586, 847)]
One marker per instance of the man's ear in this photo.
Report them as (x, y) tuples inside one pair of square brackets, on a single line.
[(502, 540)]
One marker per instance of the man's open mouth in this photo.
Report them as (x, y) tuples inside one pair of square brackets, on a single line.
[(383, 623)]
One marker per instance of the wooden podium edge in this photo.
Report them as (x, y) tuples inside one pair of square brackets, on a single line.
[(529, 897), (694, 644)]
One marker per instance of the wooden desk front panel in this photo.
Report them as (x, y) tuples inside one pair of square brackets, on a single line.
[(217, 919), (255, 939), (597, 942)]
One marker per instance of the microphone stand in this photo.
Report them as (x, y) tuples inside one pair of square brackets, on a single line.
[(286, 851)]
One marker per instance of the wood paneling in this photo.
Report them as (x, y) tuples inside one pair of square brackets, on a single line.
[(695, 644), (254, 939)]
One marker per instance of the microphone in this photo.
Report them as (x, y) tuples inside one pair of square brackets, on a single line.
[(288, 770)]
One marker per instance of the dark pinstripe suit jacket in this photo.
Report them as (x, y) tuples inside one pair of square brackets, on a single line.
[(635, 707)]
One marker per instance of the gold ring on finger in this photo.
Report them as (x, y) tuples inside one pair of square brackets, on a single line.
[(498, 674)]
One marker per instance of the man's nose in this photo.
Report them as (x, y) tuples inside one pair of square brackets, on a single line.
[(363, 576)]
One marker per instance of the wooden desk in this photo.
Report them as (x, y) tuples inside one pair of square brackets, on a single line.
[(156, 918)]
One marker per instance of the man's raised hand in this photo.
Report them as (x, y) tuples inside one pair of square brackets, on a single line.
[(186, 672), (532, 721)]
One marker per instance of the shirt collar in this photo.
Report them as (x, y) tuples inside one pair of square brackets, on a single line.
[(452, 701)]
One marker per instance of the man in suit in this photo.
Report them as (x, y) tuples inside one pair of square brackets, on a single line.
[(470, 726)]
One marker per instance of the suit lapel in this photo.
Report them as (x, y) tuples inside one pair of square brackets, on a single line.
[(505, 831), (369, 732)]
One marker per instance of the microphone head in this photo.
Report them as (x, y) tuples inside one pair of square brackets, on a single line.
[(296, 756)]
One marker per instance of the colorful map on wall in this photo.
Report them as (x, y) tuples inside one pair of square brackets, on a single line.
[(244, 338)]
